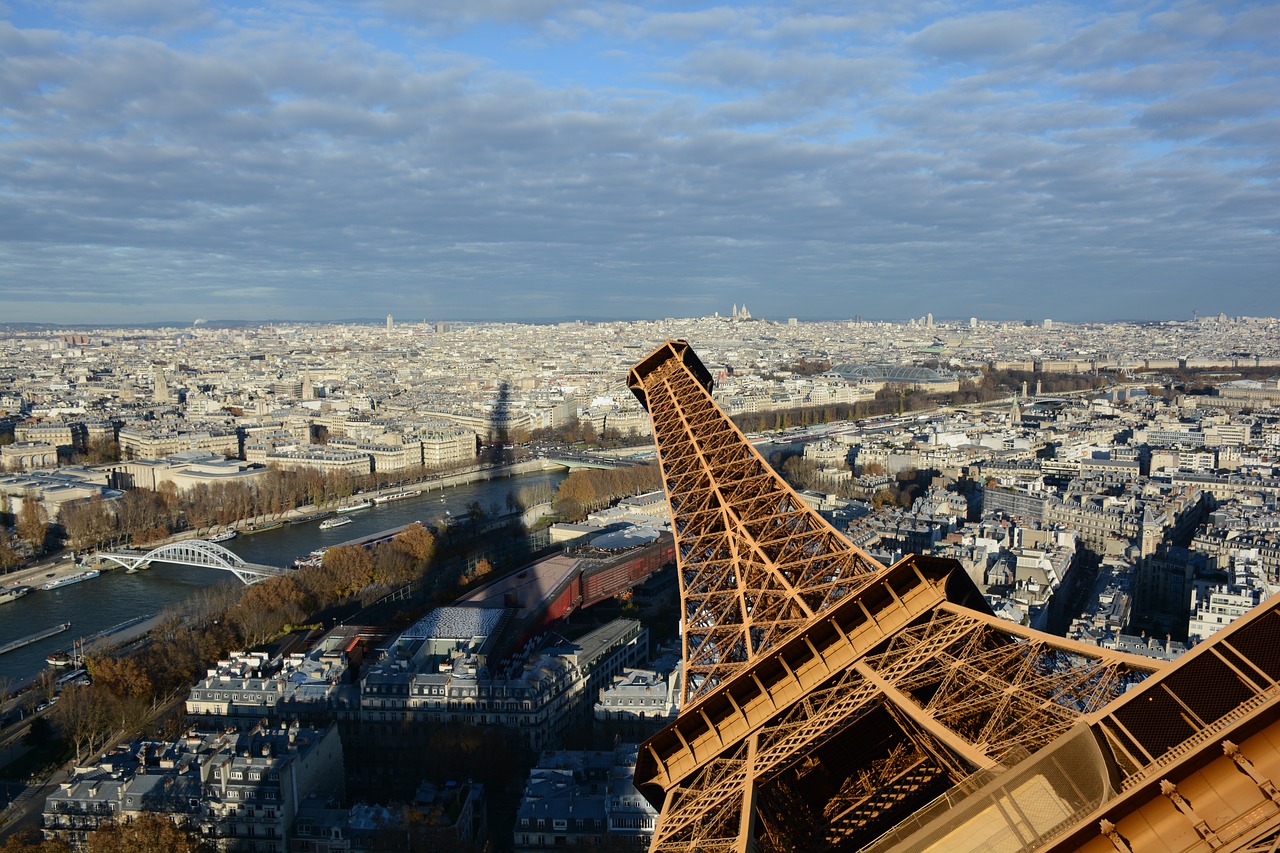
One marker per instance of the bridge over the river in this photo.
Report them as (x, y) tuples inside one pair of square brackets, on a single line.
[(575, 459), (195, 552)]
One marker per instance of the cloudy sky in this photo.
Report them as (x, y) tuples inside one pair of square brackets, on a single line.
[(542, 159)]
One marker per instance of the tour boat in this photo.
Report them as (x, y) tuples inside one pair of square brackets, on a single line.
[(70, 579), (13, 593), (396, 496)]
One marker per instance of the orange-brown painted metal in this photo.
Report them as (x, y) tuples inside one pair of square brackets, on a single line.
[(833, 703)]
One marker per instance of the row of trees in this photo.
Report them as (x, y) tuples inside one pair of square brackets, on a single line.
[(144, 515), (147, 833), (586, 490), (896, 399), (583, 432)]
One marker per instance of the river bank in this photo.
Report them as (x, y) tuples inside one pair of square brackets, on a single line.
[(56, 568), (115, 597)]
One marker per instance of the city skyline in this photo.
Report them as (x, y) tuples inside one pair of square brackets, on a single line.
[(175, 161)]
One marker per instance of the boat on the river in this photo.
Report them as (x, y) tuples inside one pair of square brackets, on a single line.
[(13, 593), (264, 526), (34, 638), (67, 580), (222, 537), (330, 523), (354, 507), (315, 516), (397, 496)]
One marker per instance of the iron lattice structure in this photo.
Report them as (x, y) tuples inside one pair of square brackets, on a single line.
[(832, 703), (756, 564)]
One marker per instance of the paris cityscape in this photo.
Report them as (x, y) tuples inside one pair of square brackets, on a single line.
[(750, 427), (482, 674)]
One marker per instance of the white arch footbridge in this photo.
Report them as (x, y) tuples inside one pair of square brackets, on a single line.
[(195, 552)]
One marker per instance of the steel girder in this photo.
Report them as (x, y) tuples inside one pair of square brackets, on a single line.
[(755, 562), (800, 648)]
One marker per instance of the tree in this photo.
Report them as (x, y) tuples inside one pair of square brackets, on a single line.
[(265, 608), (416, 541), (33, 523), (800, 472), (347, 570), (483, 568), (9, 556), (393, 566), (39, 733), (85, 718), (88, 524), (124, 686), (882, 498), (146, 833), (475, 512), (30, 841)]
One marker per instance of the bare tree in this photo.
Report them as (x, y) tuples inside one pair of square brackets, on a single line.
[(33, 523), (9, 556), (85, 718), (147, 833)]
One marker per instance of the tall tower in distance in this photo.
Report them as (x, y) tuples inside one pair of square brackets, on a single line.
[(161, 394), (390, 323)]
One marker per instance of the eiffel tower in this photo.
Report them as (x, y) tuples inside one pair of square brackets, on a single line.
[(833, 703)]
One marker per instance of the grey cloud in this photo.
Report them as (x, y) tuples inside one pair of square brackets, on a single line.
[(270, 158), (451, 15), (1205, 110), (715, 22), (982, 35), (163, 15), (1198, 20)]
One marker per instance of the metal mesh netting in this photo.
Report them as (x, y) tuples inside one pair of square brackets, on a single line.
[(1012, 811), (1193, 697), (1257, 642)]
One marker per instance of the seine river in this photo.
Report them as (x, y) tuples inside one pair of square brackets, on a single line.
[(115, 597)]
